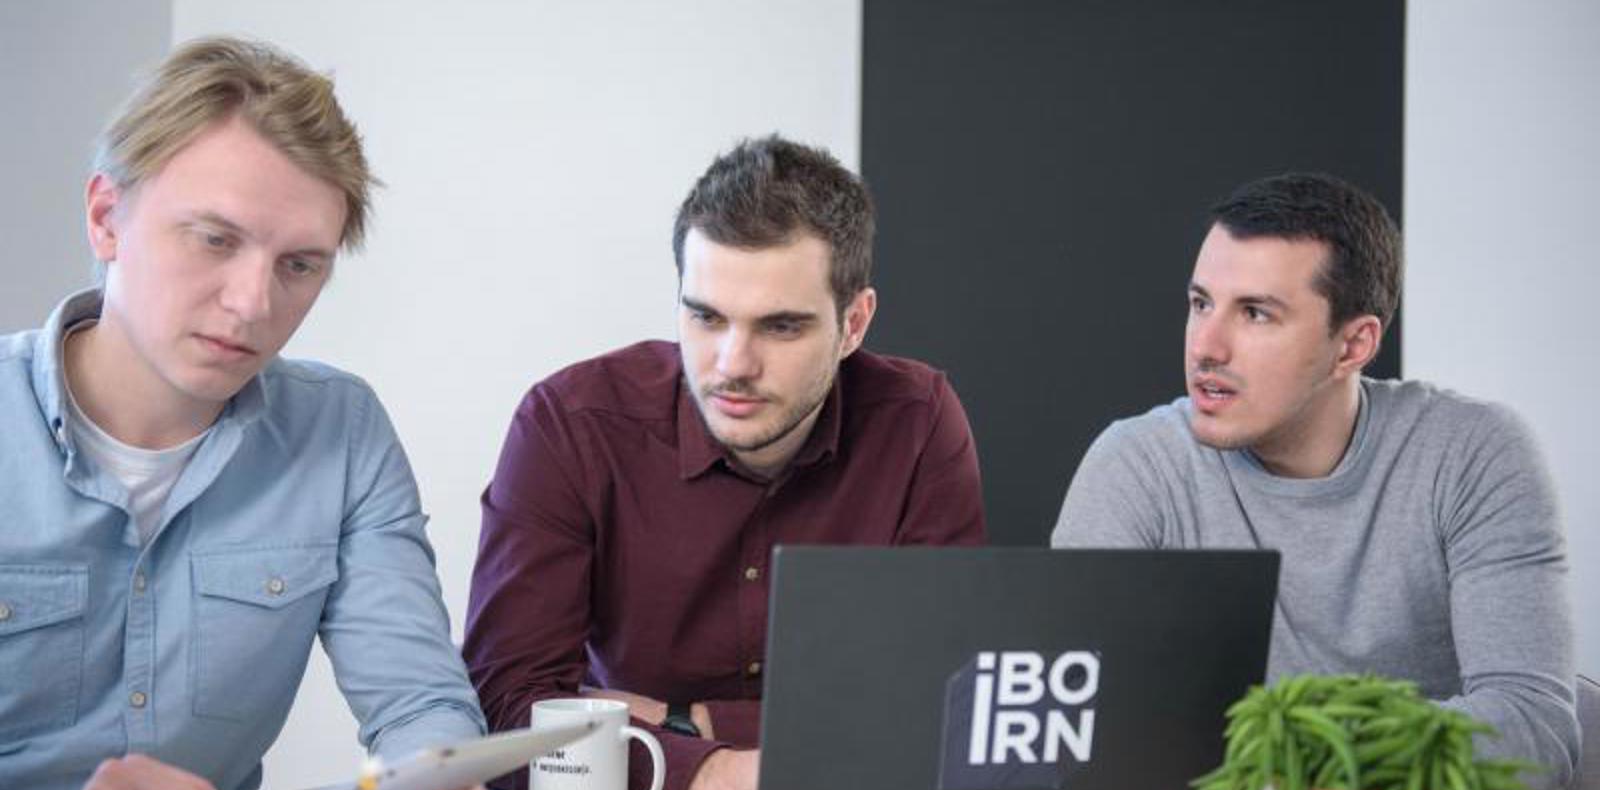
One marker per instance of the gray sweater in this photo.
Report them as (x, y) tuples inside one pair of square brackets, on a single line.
[(1433, 551)]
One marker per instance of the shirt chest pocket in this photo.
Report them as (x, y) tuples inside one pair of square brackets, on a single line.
[(41, 647), (256, 613)]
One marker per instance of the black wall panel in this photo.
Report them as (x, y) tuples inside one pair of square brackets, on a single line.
[(1042, 171)]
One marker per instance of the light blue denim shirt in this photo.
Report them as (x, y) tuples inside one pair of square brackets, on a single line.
[(297, 516)]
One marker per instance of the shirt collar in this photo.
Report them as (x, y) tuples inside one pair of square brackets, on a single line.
[(698, 450), (49, 377), (49, 370)]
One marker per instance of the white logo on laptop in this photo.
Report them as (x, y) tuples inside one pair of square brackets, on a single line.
[(1006, 726), (1019, 718)]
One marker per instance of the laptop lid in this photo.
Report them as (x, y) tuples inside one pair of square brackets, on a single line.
[(975, 669)]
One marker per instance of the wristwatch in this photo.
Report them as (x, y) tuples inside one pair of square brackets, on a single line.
[(679, 721)]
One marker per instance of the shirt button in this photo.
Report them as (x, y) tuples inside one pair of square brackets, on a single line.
[(138, 582), (275, 586), (137, 699), (754, 668), (752, 573), (5, 612)]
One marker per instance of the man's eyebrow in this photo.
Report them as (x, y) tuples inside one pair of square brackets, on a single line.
[(213, 218), (788, 316), (1263, 300), (312, 252), (697, 305)]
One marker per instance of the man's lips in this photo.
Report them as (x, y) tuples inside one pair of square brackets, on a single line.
[(1210, 394), (735, 405), (226, 348)]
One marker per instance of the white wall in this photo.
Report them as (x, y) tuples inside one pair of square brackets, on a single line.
[(1502, 192), (535, 154), (64, 68)]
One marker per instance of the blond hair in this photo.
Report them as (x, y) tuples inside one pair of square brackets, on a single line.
[(209, 80)]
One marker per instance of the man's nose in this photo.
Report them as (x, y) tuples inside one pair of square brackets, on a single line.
[(1208, 342), (737, 357), (247, 290)]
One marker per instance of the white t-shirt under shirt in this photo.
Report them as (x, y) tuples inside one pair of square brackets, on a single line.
[(147, 474)]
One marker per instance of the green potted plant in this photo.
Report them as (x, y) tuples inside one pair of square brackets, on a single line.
[(1352, 732)]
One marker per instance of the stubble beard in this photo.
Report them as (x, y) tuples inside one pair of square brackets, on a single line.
[(787, 422)]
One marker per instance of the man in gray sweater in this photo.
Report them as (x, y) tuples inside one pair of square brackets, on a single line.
[(1418, 527)]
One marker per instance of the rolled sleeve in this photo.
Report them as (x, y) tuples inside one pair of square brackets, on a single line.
[(683, 756), (736, 721)]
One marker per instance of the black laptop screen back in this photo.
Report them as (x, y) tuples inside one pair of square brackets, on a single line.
[(880, 661)]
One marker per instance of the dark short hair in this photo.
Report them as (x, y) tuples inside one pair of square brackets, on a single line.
[(765, 191), (1361, 275)]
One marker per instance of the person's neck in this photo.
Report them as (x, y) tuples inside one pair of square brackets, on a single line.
[(124, 397), (1318, 441)]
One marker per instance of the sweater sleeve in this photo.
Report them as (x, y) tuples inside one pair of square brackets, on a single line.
[(1510, 613)]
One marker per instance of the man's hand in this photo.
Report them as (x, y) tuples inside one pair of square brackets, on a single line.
[(138, 772), (728, 769), (653, 711)]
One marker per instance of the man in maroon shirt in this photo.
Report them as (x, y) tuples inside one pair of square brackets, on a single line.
[(628, 531)]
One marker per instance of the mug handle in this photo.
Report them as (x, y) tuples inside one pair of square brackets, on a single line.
[(658, 762)]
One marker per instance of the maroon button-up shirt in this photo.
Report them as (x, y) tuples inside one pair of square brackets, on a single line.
[(622, 547)]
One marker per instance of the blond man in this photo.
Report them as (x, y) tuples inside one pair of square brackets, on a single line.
[(181, 511)]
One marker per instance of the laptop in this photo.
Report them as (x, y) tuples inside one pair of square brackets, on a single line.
[(989, 668)]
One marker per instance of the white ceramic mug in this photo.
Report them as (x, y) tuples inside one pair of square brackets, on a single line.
[(597, 761)]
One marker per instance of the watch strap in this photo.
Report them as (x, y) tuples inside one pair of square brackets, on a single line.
[(680, 720)]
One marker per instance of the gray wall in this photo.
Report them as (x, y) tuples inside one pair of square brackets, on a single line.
[(64, 67)]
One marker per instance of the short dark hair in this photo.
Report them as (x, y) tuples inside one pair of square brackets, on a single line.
[(764, 191), (1362, 273)]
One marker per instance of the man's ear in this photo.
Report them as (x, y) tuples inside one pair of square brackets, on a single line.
[(1360, 338), (857, 317), (101, 198)]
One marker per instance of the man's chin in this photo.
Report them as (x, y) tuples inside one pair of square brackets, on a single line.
[(743, 441), (754, 433), (1217, 437), (215, 386)]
